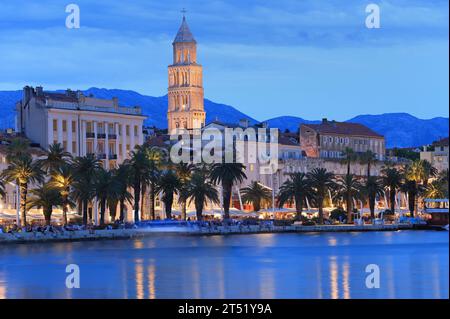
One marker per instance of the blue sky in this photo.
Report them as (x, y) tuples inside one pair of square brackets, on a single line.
[(307, 58)]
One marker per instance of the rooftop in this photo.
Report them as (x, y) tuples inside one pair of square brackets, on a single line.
[(184, 33), (343, 128)]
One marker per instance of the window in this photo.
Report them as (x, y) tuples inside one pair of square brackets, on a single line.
[(330, 139), (64, 126), (65, 145), (120, 129), (128, 147), (136, 130), (74, 147), (252, 167), (127, 130), (74, 126), (120, 149), (341, 140), (347, 140), (325, 139), (55, 125)]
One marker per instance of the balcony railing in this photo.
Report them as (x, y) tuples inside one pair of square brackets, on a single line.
[(112, 136), (112, 156), (101, 135), (101, 156), (90, 135)]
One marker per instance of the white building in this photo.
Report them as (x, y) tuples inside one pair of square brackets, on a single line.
[(81, 124)]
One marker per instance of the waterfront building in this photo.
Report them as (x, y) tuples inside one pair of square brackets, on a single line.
[(185, 96), (437, 154), (81, 124), (329, 139)]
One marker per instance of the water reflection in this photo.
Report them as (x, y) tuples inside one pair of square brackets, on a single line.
[(412, 264)]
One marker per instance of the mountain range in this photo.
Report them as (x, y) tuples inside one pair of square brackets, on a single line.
[(399, 129)]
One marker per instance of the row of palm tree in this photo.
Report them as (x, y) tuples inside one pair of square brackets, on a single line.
[(82, 182), (63, 181)]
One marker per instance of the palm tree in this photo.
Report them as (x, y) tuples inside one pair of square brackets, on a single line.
[(138, 164), (322, 182), (443, 179), (391, 181), (84, 170), (415, 174), (372, 189), (368, 158), (200, 190), (19, 147), (349, 188), (297, 188), (435, 190), (62, 179), (429, 171), (227, 174), (184, 172), (256, 194), (46, 197), (105, 189), (23, 171), (168, 185), (349, 156), (122, 179), (412, 189), (55, 158)]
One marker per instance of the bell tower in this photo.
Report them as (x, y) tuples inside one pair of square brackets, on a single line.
[(185, 96)]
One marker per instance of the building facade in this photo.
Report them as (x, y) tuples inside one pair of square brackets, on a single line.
[(437, 155), (329, 139), (185, 94), (81, 124)]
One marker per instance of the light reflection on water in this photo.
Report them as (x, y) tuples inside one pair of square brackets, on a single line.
[(412, 265)]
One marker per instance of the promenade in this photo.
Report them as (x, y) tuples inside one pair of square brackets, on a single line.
[(104, 234)]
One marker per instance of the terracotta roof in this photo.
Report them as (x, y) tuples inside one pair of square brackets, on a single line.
[(343, 128), (184, 34)]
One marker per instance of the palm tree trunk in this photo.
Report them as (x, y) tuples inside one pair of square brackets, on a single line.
[(226, 201), (168, 204), (64, 209), (23, 203), (122, 210), (368, 169), (199, 211), (152, 201), (321, 211), (48, 216), (183, 210), (348, 168), (392, 200), (137, 199), (85, 212), (348, 203), (102, 211), (298, 208), (411, 203), (144, 190), (372, 207)]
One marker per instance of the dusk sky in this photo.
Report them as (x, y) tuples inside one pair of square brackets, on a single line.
[(306, 58)]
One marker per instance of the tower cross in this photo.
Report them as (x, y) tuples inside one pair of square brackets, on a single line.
[(183, 11)]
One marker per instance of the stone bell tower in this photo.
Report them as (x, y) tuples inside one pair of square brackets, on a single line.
[(185, 94)]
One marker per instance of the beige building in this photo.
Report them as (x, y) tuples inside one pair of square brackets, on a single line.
[(81, 124), (438, 155), (329, 139), (185, 94)]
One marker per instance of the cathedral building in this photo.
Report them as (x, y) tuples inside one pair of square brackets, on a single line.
[(185, 94)]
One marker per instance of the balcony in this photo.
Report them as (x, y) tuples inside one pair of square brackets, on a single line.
[(90, 135), (101, 156), (112, 136), (101, 135), (112, 156)]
